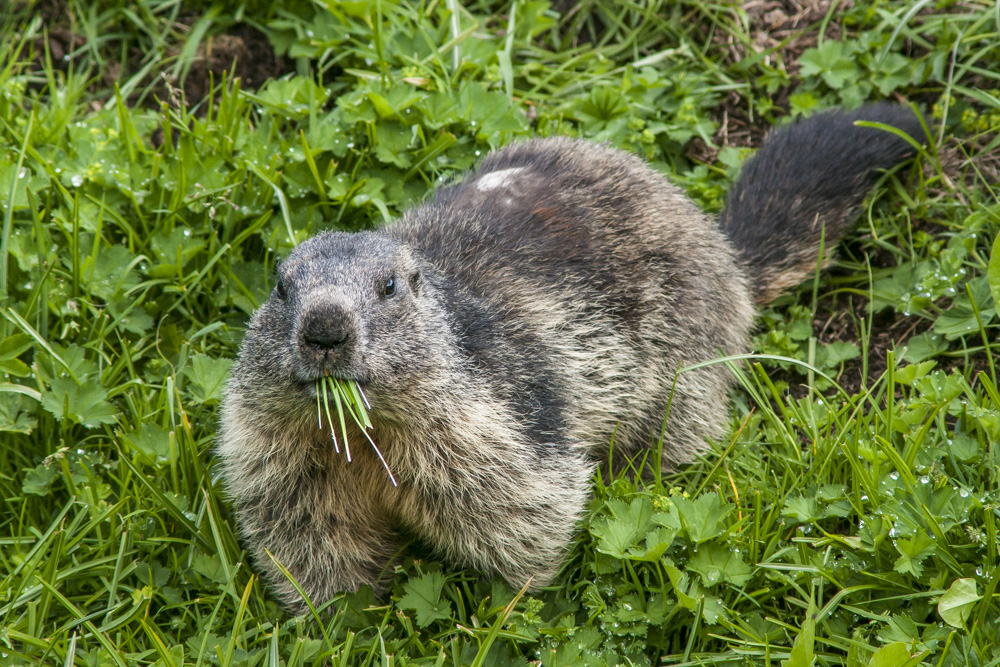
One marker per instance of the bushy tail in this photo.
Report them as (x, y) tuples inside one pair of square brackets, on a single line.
[(810, 176)]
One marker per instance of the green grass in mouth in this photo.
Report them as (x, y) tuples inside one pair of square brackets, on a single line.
[(347, 399)]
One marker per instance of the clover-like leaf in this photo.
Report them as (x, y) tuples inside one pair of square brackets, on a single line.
[(657, 542), (703, 518), (715, 563), (111, 272), (912, 551), (830, 63), (210, 567), (152, 442), (38, 480), (423, 595), (837, 352), (802, 509), (15, 416), (208, 376), (627, 525), (80, 403)]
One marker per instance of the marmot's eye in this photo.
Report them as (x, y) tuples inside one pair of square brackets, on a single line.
[(389, 286), (280, 289)]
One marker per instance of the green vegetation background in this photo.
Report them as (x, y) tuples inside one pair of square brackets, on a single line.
[(146, 193)]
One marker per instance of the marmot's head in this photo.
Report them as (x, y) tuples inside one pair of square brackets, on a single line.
[(352, 306)]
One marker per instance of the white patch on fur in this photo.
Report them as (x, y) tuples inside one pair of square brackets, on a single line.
[(498, 179)]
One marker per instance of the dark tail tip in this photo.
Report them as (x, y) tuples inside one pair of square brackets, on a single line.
[(807, 180)]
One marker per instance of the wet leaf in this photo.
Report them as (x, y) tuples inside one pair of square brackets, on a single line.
[(956, 604)]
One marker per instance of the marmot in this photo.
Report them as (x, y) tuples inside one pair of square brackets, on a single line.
[(505, 332)]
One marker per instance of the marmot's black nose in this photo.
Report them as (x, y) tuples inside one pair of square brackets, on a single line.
[(326, 337), (326, 327)]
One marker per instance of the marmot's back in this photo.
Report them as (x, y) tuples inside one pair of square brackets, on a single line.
[(607, 279)]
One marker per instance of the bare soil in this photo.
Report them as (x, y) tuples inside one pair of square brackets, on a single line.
[(240, 52)]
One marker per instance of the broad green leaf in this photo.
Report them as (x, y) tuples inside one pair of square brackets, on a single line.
[(964, 447), (152, 442), (293, 97), (829, 62), (712, 609), (703, 518), (912, 551), (803, 509), (208, 376), (805, 643), (901, 628), (657, 542), (15, 415), (174, 657), (75, 358), (211, 642), (80, 403), (680, 582), (172, 251), (581, 652), (896, 654), (689, 593), (627, 525), (939, 386), (802, 103), (837, 352), (956, 604), (392, 143), (152, 575), (25, 181), (38, 480), (130, 317), (858, 651), (960, 318), (908, 375), (831, 497), (111, 273), (10, 348), (439, 109), (993, 271), (210, 566), (716, 564), (923, 346), (423, 595), (895, 71)]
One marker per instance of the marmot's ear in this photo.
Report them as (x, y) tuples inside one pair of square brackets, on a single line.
[(415, 281)]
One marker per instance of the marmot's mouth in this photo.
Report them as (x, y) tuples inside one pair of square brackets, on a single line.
[(309, 381), (309, 369)]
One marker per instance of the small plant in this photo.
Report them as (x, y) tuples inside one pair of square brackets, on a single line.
[(347, 398)]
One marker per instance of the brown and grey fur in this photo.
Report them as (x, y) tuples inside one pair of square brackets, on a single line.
[(542, 308)]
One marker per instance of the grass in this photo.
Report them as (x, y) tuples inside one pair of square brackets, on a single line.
[(850, 519), (348, 399)]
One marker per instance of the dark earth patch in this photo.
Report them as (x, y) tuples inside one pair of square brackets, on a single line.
[(240, 51)]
